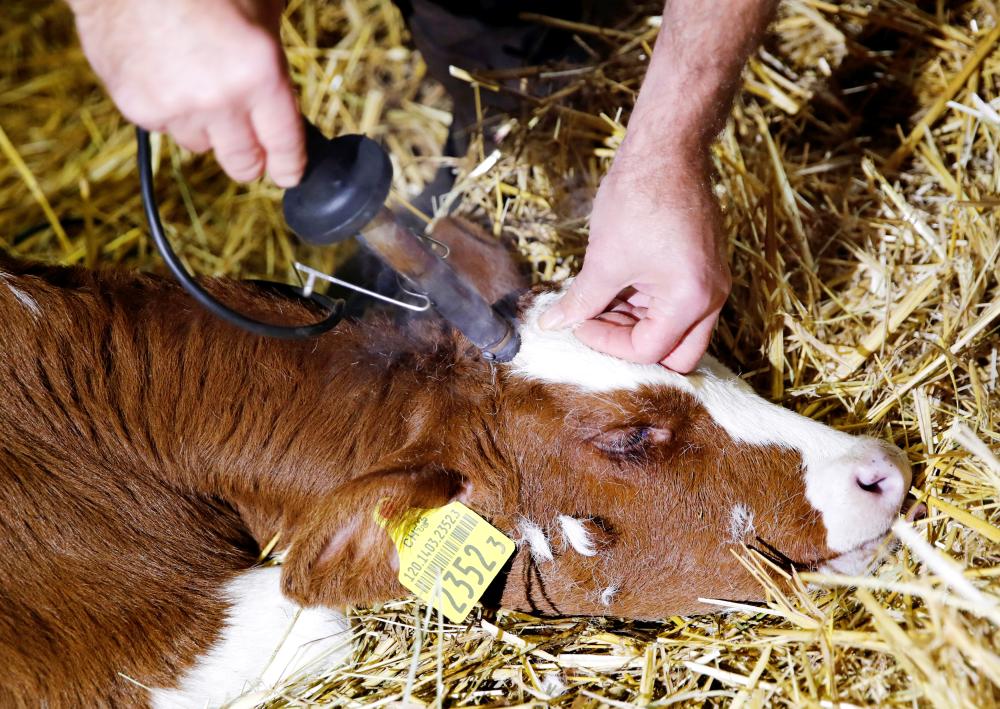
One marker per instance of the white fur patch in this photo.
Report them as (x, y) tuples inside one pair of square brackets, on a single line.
[(22, 297), (828, 456), (609, 593), (576, 535), (537, 542), (741, 526), (267, 640)]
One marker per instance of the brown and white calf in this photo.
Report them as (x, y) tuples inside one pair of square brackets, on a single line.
[(148, 452)]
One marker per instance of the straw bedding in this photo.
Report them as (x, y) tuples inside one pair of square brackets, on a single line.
[(859, 179)]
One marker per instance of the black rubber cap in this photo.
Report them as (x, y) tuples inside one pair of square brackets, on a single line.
[(345, 185)]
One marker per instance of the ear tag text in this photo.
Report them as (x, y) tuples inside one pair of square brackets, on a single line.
[(453, 543)]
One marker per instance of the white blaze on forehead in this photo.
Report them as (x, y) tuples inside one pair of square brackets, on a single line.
[(556, 356)]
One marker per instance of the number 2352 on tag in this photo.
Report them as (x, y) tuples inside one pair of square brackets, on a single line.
[(453, 544)]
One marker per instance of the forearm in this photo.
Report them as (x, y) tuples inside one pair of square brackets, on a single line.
[(694, 73)]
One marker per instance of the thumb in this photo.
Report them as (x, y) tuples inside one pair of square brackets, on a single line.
[(586, 297)]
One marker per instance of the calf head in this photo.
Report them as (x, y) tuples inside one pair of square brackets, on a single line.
[(663, 474), (626, 486)]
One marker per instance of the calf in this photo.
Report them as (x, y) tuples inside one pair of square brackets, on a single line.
[(149, 452)]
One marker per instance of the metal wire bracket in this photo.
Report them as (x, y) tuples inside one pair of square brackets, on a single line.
[(312, 274), (441, 249)]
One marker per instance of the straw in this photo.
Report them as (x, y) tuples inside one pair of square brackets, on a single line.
[(858, 179)]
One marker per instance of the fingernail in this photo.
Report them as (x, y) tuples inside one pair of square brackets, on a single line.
[(285, 181), (553, 319)]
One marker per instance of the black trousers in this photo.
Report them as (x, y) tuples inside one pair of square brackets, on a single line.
[(480, 35), (502, 12)]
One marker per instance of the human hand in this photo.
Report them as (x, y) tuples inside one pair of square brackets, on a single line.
[(211, 73), (654, 277)]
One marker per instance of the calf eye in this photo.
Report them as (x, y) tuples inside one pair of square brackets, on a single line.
[(631, 442)]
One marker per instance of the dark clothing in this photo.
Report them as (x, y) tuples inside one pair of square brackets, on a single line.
[(483, 35)]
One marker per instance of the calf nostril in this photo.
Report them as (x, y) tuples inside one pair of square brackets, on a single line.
[(883, 475), (874, 486)]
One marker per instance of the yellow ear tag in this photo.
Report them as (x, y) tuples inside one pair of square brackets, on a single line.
[(453, 543)]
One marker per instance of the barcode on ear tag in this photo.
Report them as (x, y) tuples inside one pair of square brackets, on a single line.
[(453, 544)]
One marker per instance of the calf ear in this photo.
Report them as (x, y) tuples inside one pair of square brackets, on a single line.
[(339, 554), (489, 264)]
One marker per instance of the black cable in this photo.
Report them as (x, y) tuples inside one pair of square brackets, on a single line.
[(287, 332)]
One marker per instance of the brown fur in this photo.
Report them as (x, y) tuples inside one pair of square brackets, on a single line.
[(148, 451)]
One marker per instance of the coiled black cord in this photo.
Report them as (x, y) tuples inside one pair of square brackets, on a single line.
[(287, 332)]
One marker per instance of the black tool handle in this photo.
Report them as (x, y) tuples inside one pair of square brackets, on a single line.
[(346, 182)]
